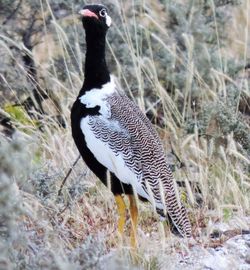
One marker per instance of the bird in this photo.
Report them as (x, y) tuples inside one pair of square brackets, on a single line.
[(117, 141)]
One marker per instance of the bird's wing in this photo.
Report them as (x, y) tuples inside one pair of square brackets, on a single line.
[(132, 145)]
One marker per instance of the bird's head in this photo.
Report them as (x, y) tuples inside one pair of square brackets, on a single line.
[(95, 16)]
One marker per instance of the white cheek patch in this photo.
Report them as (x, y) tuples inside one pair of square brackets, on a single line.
[(108, 20)]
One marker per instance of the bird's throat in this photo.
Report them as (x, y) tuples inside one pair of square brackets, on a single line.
[(96, 70)]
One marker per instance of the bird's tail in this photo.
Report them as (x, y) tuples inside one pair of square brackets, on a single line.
[(177, 216), (174, 210), (163, 195), (178, 221)]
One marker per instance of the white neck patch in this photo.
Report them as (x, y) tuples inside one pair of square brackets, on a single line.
[(97, 97)]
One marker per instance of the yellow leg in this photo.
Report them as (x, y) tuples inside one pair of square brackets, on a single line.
[(121, 207), (134, 218)]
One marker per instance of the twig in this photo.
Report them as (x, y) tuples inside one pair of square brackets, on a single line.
[(67, 175), (182, 164)]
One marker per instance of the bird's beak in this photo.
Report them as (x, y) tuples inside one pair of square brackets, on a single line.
[(87, 13)]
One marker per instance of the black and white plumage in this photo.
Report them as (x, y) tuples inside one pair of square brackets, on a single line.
[(112, 134)]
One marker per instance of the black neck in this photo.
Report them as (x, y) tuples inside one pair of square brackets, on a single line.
[(96, 70)]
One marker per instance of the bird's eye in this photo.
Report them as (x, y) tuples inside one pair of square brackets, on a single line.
[(103, 12)]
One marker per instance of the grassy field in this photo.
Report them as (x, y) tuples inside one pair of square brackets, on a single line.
[(184, 65)]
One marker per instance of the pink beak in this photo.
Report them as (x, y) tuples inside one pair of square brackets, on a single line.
[(87, 13)]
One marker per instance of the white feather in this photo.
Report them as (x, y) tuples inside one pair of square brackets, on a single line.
[(96, 97), (102, 152), (108, 20)]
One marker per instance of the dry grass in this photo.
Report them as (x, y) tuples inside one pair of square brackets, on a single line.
[(78, 229)]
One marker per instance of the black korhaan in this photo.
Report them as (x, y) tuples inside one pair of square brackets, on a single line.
[(116, 140)]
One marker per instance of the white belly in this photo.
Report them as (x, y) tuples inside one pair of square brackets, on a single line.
[(102, 152), (112, 161)]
